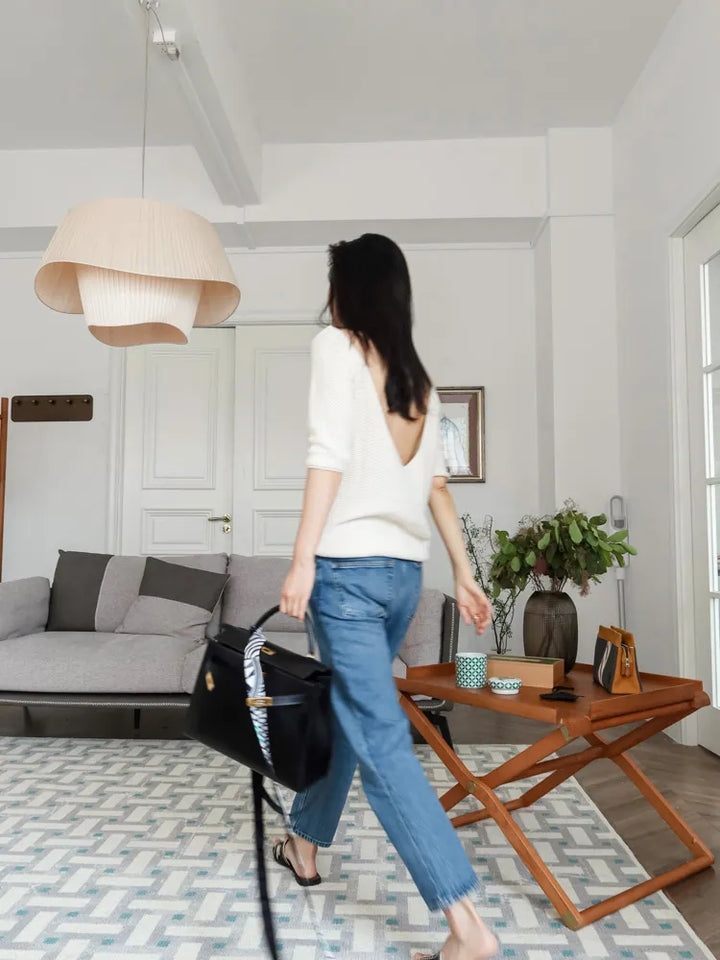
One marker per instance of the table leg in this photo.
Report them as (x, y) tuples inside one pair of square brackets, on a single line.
[(494, 807), (651, 793), (530, 762), (567, 766), (453, 797), (435, 740)]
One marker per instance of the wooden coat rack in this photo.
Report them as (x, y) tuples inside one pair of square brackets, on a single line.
[(4, 418)]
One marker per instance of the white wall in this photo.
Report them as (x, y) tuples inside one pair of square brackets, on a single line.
[(545, 373), (667, 158), (586, 426), (57, 472), (474, 325), (38, 186), (493, 177), (576, 320), (476, 310)]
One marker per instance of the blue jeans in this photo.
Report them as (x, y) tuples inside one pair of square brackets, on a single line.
[(362, 609)]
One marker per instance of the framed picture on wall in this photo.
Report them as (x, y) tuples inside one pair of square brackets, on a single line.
[(462, 426)]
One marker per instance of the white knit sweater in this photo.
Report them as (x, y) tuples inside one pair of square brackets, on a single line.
[(381, 508)]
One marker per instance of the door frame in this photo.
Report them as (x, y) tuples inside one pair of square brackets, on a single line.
[(681, 503), (116, 460)]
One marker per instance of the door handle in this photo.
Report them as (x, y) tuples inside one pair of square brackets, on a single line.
[(225, 520)]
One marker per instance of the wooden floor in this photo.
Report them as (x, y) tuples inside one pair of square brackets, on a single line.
[(688, 776)]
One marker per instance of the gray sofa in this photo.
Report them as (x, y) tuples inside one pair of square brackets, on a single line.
[(104, 668)]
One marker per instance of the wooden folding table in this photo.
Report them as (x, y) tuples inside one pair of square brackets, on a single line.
[(663, 701)]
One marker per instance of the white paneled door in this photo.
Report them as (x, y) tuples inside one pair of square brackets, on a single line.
[(272, 379), (178, 450), (702, 294), (215, 442)]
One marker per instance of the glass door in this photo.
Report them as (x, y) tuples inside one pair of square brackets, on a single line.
[(702, 295)]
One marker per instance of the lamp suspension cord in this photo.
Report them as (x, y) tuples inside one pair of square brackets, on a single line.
[(145, 105), (172, 52)]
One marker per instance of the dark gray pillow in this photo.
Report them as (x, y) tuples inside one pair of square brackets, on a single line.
[(76, 589), (174, 601)]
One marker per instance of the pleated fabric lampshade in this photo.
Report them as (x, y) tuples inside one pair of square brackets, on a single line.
[(141, 271)]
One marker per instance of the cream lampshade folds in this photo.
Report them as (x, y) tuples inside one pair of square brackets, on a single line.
[(141, 271)]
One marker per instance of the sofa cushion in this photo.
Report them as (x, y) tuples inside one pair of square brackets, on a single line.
[(215, 563), (191, 666), (84, 662), (421, 644), (81, 601), (23, 606), (122, 586), (254, 587), (76, 589), (174, 601), (297, 642)]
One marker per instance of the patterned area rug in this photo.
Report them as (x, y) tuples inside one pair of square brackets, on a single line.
[(142, 850)]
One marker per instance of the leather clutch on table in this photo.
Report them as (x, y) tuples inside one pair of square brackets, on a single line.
[(615, 664)]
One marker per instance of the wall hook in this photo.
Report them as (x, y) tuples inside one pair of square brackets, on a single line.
[(52, 408)]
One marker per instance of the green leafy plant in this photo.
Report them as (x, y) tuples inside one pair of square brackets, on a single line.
[(481, 544), (552, 550)]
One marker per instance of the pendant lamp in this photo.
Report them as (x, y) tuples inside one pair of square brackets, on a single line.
[(142, 271)]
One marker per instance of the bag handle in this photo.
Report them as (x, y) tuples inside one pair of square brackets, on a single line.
[(311, 628)]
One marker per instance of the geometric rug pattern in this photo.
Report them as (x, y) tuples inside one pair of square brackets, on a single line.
[(143, 850)]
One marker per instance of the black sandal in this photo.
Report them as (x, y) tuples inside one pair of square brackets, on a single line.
[(280, 857)]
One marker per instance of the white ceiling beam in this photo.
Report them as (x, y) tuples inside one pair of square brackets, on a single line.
[(208, 78)]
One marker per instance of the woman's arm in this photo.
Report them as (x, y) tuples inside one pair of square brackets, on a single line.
[(472, 602), (320, 491), (334, 362)]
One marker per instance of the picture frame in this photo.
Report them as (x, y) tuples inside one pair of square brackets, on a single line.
[(462, 426)]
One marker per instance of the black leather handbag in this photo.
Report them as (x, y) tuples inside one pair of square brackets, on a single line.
[(269, 709)]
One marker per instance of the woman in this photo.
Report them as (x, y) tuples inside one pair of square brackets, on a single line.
[(375, 463)]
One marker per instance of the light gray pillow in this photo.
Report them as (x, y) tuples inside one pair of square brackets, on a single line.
[(255, 585), (174, 600)]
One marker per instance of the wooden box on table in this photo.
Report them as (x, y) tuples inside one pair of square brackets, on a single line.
[(545, 672)]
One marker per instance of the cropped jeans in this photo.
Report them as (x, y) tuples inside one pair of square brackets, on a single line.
[(362, 609)]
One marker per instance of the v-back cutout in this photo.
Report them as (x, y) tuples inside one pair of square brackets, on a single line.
[(379, 390), (415, 428)]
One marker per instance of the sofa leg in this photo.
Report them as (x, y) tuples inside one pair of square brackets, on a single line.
[(136, 719), (26, 715)]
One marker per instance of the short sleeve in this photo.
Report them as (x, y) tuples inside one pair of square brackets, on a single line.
[(334, 362), (440, 469)]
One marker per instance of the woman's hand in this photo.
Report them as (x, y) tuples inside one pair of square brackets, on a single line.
[(297, 588), (474, 606)]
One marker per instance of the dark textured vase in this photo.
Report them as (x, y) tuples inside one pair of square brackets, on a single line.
[(550, 627)]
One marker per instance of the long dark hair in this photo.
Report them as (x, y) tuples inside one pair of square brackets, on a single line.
[(370, 295)]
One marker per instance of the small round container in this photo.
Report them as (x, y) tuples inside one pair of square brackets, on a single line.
[(471, 670), (506, 686)]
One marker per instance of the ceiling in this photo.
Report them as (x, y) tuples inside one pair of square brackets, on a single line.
[(362, 70), (72, 74), (333, 70)]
